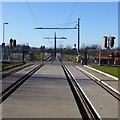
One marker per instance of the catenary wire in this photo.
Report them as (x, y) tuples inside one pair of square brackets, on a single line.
[(71, 13), (30, 9)]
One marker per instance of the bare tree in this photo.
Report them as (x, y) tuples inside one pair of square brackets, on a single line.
[(95, 46)]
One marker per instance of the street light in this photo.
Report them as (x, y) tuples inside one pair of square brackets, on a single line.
[(3, 44), (4, 32)]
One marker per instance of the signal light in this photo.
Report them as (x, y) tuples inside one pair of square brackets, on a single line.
[(105, 41), (112, 41)]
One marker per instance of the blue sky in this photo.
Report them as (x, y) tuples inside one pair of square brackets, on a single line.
[(97, 19)]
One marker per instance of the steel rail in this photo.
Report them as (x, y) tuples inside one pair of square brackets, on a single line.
[(108, 88), (14, 71), (86, 109), (9, 90)]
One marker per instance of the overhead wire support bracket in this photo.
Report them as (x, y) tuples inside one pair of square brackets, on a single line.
[(56, 28), (56, 38)]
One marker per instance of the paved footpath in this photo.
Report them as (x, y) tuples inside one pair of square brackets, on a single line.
[(45, 95)]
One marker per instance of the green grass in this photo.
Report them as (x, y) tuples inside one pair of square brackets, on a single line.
[(8, 65), (0, 65), (115, 71)]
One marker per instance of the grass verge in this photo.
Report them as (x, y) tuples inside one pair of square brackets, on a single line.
[(6, 65), (115, 71)]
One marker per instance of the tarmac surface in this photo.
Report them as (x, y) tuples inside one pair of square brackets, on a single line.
[(110, 81), (105, 104), (45, 95), (7, 81)]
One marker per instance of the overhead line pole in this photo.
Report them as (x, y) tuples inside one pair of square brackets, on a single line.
[(55, 38), (55, 44), (78, 34), (67, 28)]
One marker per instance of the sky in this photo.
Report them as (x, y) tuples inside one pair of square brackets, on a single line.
[(96, 20)]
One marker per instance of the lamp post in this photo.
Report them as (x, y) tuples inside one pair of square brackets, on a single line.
[(3, 44), (4, 32)]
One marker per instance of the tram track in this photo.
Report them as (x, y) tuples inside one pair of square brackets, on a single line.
[(105, 86), (88, 96), (10, 72), (10, 89), (101, 83), (86, 109)]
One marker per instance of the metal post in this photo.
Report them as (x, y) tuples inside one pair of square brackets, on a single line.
[(78, 34), (108, 51), (3, 44), (3, 31), (39, 54), (99, 56), (43, 56), (55, 45), (23, 54)]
